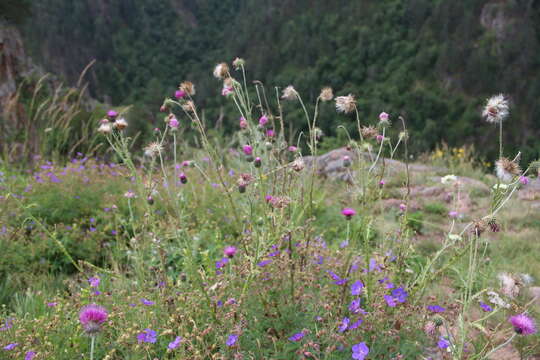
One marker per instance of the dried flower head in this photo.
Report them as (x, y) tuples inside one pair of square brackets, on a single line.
[(479, 226), (153, 149), (238, 63), (187, 87), (120, 124), (91, 318), (496, 109), (289, 93), (188, 106), (509, 285), (221, 71), (326, 94), (369, 132), (280, 202), (506, 169), (345, 104), (298, 164), (105, 127)]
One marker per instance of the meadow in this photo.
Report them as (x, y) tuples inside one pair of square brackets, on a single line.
[(261, 245)]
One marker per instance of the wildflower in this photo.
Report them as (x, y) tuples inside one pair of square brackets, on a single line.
[(354, 306), (292, 149), (368, 132), (346, 161), (221, 263), (280, 202), (238, 63), (243, 123), (174, 344), (356, 288), (356, 324), (523, 325), (91, 318), (345, 104), (111, 114), (247, 149), (479, 227), (179, 94), (153, 149), (227, 90), (188, 106), (494, 298), (298, 164), (485, 307), (221, 71), (183, 178), (120, 124), (496, 109), (263, 120), (402, 207), (94, 281), (257, 162), (52, 304), (379, 138), (297, 336), (147, 302), (129, 194), (326, 94), (360, 351), (524, 180), (337, 280), (443, 343), (348, 213), (147, 336), (453, 214), (264, 263), (448, 179), (289, 93), (270, 133), (399, 295), (11, 346), (105, 127), (506, 169), (430, 328), (30, 355), (187, 87), (231, 340), (344, 324), (173, 123), (436, 308), (384, 118), (509, 286), (229, 251)]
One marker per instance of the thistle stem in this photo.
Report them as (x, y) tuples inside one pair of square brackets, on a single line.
[(92, 343)]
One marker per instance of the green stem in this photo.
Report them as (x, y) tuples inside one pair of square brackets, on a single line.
[(92, 343)]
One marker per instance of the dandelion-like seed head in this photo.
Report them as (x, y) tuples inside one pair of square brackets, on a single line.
[(326, 94), (289, 93), (120, 124), (91, 318), (187, 87), (221, 71), (345, 104), (153, 149), (238, 63), (496, 109), (506, 169)]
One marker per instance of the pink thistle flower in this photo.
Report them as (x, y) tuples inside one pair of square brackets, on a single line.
[(229, 251), (243, 123), (268, 198), (382, 183), (453, 214), (112, 114), (523, 180), (523, 325), (174, 123), (91, 318), (402, 207), (379, 138), (227, 90), (247, 149), (270, 133), (383, 116), (348, 213), (183, 178), (292, 148), (263, 120), (179, 94)]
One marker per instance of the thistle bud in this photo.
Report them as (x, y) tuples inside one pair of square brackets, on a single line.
[(183, 178), (150, 200), (257, 162), (346, 161)]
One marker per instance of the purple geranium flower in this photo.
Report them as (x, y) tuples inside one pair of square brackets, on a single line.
[(297, 336), (264, 263), (485, 307), (436, 308), (360, 351), (443, 343), (10, 346), (344, 324), (147, 336), (221, 263), (356, 288), (30, 355), (354, 307), (174, 344), (390, 301), (356, 324), (400, 294), (94, 281), (231, 340)]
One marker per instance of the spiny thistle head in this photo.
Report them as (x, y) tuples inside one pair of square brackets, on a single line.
[(507, 169), (221, 71), (326, 94), (105, 127), (345, 104), (153, 149), (289, 93), (384, 120), (369, 132), (523, 325), (120, 124), (91, 318), (496, 109)]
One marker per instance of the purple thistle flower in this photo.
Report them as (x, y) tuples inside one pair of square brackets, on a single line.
[(231, 340), (30, 355), (147, 336), (523, 325), (344, 324), (147, 302), (94, 281), (174, 344), (297, 336), (10, 346), (360, 351), (229, 251), (436, 308), (348, 213), (91, 318), (485, 307), (356, 288)]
